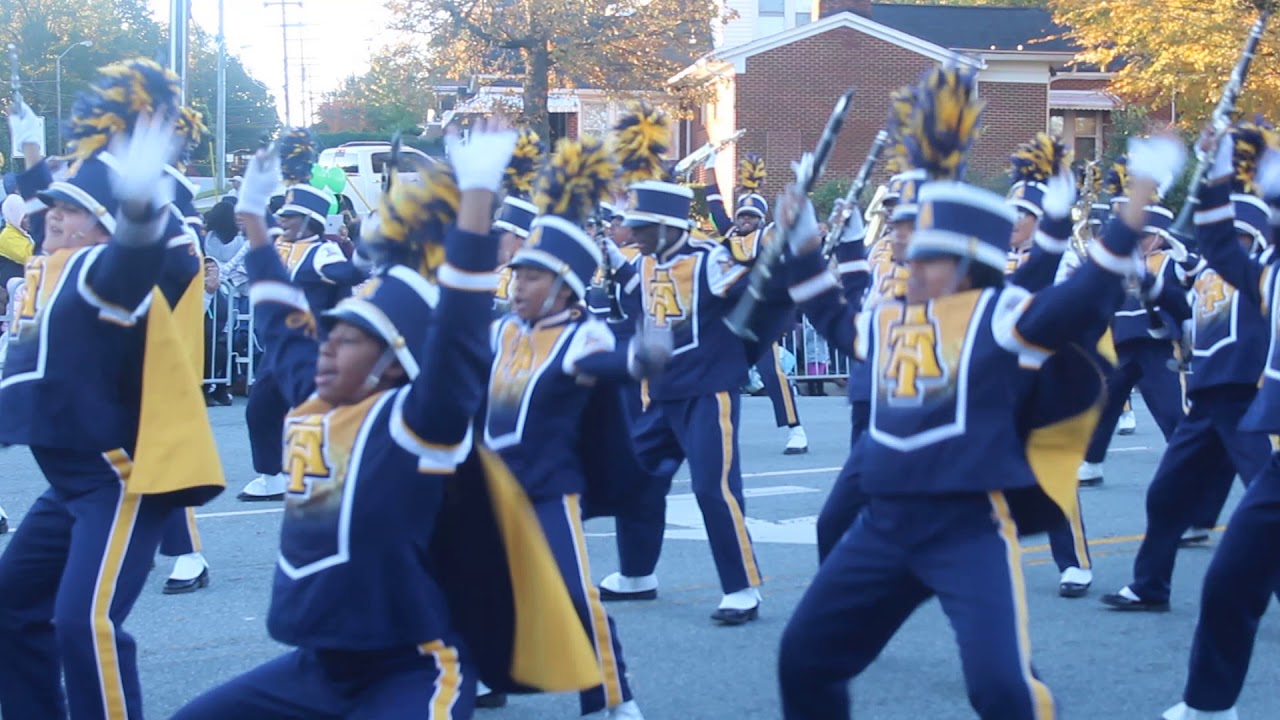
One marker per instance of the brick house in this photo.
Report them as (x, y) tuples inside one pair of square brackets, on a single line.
[(780, 65)]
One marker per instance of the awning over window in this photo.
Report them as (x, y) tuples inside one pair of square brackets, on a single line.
[(1082, 100), (511, 100)]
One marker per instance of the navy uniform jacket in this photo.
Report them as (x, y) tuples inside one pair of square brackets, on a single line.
[(688, 289), (1229, 335), (542, 381), (1131, 322), (368, 480), (945, 414), (1256, 284), (319, 268), (885, 280)]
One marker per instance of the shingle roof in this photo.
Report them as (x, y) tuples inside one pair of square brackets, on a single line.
[(964, 27)]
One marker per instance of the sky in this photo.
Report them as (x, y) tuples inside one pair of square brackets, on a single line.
[(334, 39)]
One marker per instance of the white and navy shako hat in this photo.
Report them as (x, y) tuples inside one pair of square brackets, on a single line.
[(1253, 216), (563, 249), (303, 199), (1027, 196), (395, 306), (1099, 213), (753, 204), (906, 186), (962, 220), (516, 216), (613, 211), (89, 189), (1158, 220), (653, 202)]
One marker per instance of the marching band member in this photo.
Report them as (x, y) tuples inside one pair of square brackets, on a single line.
[(944, 490), (1207, 448), (549, 355), (686, 287), (744, 235), (380, 428), (1245, 569), (325, 275), (124, 439), (516, 213), (1143, 360)]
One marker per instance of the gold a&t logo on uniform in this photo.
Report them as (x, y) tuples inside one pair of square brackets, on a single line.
[(304, 453), (664, 304), (914, 361)]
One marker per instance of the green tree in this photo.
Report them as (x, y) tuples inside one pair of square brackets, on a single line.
[(121, 29), (625, 46), (393, 95)]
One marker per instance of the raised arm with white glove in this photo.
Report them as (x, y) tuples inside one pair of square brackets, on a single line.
[(140, 183)]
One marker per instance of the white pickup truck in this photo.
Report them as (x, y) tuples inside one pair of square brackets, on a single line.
[(365, 164)]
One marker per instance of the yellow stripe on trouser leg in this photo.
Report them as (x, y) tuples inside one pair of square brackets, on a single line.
[(104, 589), (1081, 543), (735, 510), (784, 387), (192, 531), (448, 680), (600, 634), (1041, 699)]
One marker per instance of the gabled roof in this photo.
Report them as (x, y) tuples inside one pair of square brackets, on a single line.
[(968, 27), (739, 55)]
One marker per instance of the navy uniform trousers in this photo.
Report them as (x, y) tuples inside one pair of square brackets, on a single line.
[(703, 430), (68, 579), (1238, 585), (561, 520), (429, 682), (1190, 478), (1144, 364), (1069, 543), (264, 414), (180, 536), (900, 552), (846, 498), (778, 387)]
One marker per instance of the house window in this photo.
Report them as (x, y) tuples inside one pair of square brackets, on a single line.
[(772, 8), (804, 12), (1057, 124), (1081, 129), (771, 17)]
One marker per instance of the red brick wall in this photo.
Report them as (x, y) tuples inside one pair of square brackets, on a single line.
[(1070, 83), (1013, 114), (571, 125), (786, 94)]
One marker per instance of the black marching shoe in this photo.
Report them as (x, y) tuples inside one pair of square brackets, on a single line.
[(218, 396), (1073, 590), (734, 616), (180, 587), (1194, 537), (491, 700), (1126, 600)]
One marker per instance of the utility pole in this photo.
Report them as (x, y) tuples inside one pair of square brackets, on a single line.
[(179, 21), (220, 131), (284, 44)]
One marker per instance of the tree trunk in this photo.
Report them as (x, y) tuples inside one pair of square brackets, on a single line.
[(537, 88)]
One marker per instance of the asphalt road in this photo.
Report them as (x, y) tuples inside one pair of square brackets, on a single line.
[(1098, 663)]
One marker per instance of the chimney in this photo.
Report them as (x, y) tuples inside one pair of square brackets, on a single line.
[(826, 8)]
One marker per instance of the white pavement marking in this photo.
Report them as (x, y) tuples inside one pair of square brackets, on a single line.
[(684, 519)]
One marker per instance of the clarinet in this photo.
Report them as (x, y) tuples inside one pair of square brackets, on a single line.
[(741, 318), (1220, 122), (850, 205)]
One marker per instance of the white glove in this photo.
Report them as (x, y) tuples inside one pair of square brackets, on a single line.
[(855, 229), (1268, 178), (481, 160), (806, 224), (1222, 165), (710, 164), (1158, 158), (1060, 194), (613, 254), (650, 351), (1177, 250), (24, 125), (261, 178), (141, 183)]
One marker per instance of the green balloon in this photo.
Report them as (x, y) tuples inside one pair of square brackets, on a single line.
[(337, 179), (333, 207), (317, 176)]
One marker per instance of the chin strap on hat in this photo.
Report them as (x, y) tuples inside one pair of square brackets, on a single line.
[(383, 362)]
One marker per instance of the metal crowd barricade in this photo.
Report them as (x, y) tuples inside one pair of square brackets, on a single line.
[(816, 359), (220, 372)]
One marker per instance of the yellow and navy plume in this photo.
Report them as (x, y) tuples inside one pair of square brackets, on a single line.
[(523, 168), (1116, 183), (640, 139), (901, 104), (414, 216), (115, 99), (751, 173), (575, 180), (297, 155), (944, 121), (1248, 142), (192, 130), (1040, 159)]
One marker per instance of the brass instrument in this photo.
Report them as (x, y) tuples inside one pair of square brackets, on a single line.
[(741, 319), (855, 189), (690, 161), (1080, 234)]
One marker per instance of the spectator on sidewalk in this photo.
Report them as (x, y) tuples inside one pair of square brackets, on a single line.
[(217, 319)]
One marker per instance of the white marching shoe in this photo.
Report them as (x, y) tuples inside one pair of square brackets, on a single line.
[(265, 487), (626, 711), (797, 442), (4, 522), (1089, 474), (1127, 423), (1182, 712)]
